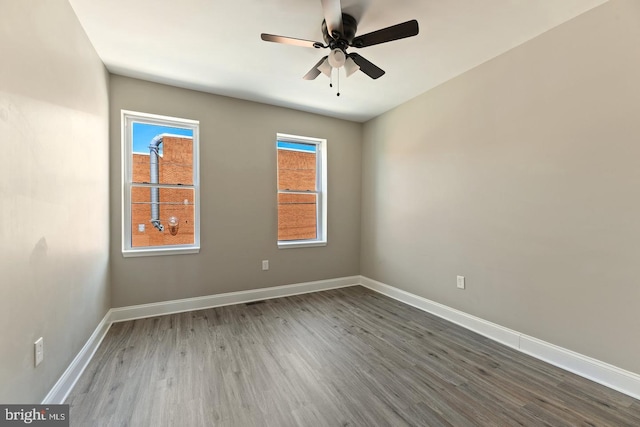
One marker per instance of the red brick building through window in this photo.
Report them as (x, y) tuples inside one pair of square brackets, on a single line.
[(175, 166), (297, 212)]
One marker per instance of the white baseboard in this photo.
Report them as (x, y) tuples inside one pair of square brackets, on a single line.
[(490, 330), (209, 301), (603, 373), (61, 389)]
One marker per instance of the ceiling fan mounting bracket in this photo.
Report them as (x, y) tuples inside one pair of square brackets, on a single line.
[(349, 27)]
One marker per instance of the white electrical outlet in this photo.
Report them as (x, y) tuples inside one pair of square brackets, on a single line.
[(39, 350), (265, 264), (460, 282)]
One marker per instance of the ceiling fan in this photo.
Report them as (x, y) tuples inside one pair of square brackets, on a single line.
[(339, 33)]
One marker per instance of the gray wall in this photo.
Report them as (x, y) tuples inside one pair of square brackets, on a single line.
[(238, 194), (522, 175), (54, 213)]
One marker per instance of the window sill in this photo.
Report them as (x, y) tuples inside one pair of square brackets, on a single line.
[(301, 244), (131, 253)]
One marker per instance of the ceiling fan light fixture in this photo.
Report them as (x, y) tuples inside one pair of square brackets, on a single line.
[(337, 58), (350, 66), (325, 68)]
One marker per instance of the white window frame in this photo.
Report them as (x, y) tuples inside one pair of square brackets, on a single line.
[(321, 190), (127, 120)]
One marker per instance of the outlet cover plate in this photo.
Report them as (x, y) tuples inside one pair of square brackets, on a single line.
[(38, 347), (460, 282)]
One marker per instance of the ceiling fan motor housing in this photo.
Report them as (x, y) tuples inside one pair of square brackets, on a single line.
[(349, 27)]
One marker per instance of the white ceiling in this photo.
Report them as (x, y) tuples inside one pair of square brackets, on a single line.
[(214, 46)]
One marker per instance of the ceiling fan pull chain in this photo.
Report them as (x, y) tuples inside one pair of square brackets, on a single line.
[(338, 70), (331, 78)]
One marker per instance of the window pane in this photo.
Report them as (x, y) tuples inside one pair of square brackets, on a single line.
[(297, 216), (170, 148), (296, 170), (171, 202)]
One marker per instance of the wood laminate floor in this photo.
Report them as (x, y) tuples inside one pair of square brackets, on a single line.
[(345, 357)]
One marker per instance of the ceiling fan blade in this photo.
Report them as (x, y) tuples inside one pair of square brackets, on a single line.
[(314, 72), (332, 16), (367, 67), (290, 40), (395, 32)]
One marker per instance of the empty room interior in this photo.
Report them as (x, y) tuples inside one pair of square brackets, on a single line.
[(321, 213)]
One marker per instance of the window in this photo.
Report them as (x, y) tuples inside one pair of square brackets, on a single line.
[(160, 208), (302, 191)]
